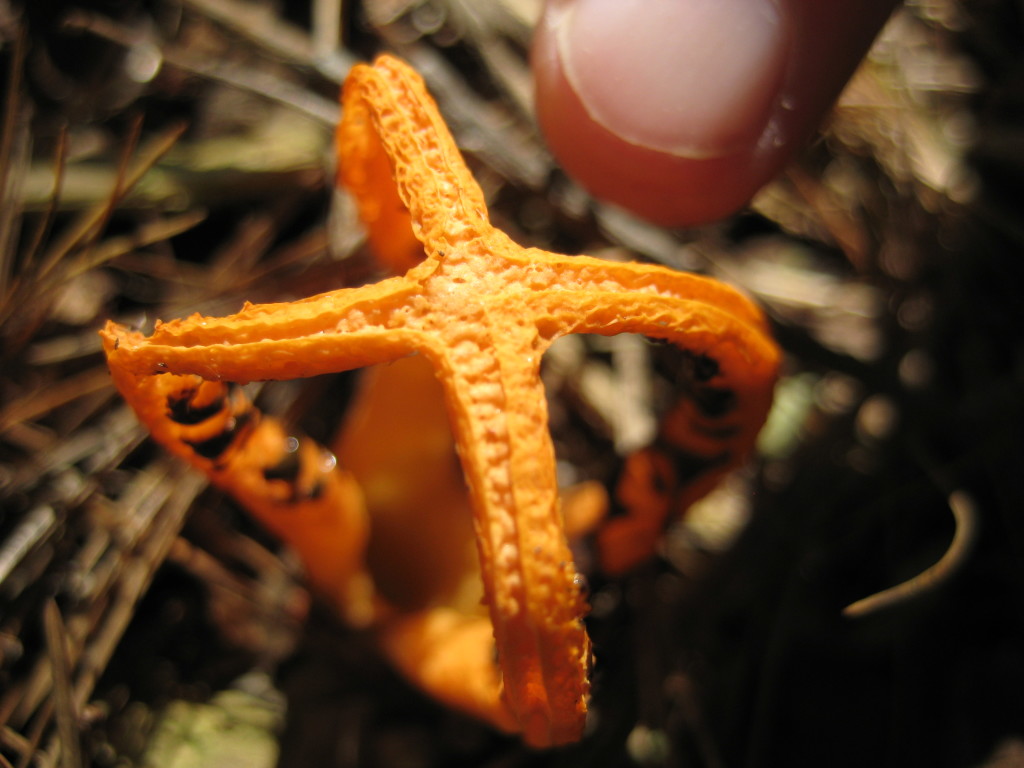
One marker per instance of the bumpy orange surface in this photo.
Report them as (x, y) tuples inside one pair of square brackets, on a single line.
[(482, 310)]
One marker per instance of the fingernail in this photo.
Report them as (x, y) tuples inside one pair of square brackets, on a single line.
[(694, 78)]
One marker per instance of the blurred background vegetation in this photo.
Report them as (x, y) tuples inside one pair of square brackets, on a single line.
[(159, 157)]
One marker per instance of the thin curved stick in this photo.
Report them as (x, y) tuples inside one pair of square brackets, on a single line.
[(966, 516)]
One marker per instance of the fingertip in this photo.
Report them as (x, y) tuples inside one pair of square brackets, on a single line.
[(657, 184), (657, 109), (680, 112)]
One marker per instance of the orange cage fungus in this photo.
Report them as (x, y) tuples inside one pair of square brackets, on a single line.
[(481, 310)]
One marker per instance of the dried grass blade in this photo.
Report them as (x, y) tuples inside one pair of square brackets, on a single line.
[(147, 234), (59, 171), (36, 404), (9, 210), (88, 225), (63, 699)]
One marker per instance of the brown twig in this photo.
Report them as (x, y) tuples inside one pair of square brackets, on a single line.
[(965, 514), (63, 701)]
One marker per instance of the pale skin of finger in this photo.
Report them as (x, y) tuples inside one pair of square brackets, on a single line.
[(813, 52)]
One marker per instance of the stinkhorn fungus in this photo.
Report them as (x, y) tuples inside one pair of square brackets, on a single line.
[(481, 310)]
